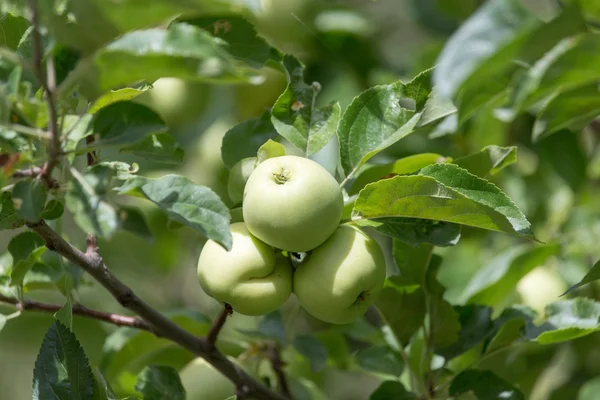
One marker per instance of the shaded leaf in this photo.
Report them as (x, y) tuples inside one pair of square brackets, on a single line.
[(402, 306), (131, 219), (103, 390), (91, 213), (30, 197), (125, 122), (489, 161), (392, 390), (26, 250), (485, 385), (195, 206), (127, 350), (416, 231), (311, 348), (381, 360), (475, 325), (13, 28), (9, 218), (180, 51), (244, 139), (241, 39), (161, 148), (499, 277), (571, 109), (444, 324), (592, 275), (61, 369), (160, 383), (295, 116), (379, 117), (563, 153), (53, 209)]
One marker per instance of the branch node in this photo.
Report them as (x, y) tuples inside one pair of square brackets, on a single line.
[(218, 325), (126, 299)]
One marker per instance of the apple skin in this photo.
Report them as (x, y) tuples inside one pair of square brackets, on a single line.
[(292, 203), (238, 176), (250, 277), (342, 277)]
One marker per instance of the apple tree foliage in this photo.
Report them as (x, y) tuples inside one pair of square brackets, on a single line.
[(517, 95)]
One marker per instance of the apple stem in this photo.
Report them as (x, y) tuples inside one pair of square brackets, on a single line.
[(218, 325)]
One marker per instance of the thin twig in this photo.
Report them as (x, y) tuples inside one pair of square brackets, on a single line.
[(273, 351), (92, 263), (48, 82), (218, 324), (81, 310), (34, 172)]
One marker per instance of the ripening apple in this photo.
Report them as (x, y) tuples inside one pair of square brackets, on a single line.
[(292, 203), (250, 277), (238, 176), (342, 277)]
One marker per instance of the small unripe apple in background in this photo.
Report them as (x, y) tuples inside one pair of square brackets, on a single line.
[(250, 277), (238, 176), (342, 277), (292, 203)]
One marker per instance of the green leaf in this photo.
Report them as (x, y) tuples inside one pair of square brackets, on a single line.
[(416, 231), (241, 39), (65, 314), (102, 391), (26, 250), (75, 128), (489, 30), (402, 306), (160, 383), (381, 360), (569, 319), (392, 390), (161, 148), (489, 161), (13, 28), (564, 154), (442, 192), (125, 122), (485, 385), (592, 275), (561, 69), (590, 389), (270, 149), (244, 139), (499, 277), (9, 218), (91, 213), (295, 116), (180, 51), (379, 117), (412, 262), (444, 323), (508, 330), (475, 325), (61, 369), (30, 197), (404, 166), (311, 348), (572, 109), (115, 96), (127, 350), (195, 206), (53, 209), (132, 220)]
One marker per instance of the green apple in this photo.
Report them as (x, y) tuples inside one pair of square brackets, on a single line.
[(292, 203), (250, 277), (238, 176), (342, 277)]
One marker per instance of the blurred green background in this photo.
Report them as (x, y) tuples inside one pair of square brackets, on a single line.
[(348, 46)]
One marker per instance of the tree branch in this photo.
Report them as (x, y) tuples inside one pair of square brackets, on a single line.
[(34, 172), (92, 263), (48, 82), (273, 351), (218, 324), (81, 310)]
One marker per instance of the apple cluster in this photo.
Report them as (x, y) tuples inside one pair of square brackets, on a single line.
[(293, 205)]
